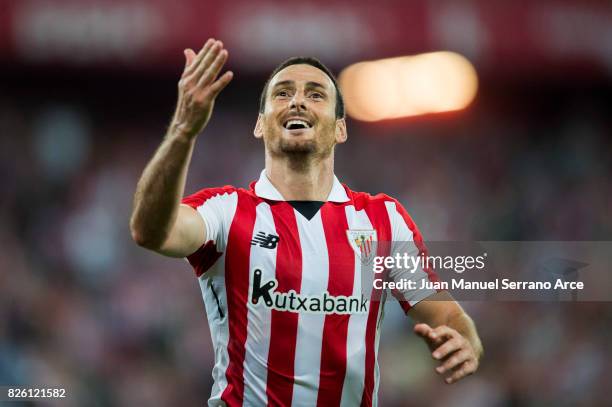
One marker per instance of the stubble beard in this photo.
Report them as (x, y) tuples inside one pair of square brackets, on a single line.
[(301, 154), (297, 148)]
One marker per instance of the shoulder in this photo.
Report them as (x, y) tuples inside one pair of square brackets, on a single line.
[(364, 200), (392, 207), (227, 192)]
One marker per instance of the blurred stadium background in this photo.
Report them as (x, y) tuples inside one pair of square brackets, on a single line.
[(88, 87)]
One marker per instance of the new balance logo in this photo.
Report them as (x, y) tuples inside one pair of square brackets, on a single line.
[(268, 241)]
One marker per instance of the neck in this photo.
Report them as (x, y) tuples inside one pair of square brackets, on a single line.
[(299, 179)]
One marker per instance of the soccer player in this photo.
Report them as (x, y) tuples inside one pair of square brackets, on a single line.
[(279, 264)]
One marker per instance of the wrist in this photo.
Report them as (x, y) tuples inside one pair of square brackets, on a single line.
[(181, 133)]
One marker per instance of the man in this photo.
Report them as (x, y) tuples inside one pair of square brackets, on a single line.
[(279, 264)]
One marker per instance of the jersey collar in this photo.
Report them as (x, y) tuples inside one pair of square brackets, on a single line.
[(265, 189)]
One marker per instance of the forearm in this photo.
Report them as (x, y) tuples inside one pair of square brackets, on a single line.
[(159, 190), (462, 323)]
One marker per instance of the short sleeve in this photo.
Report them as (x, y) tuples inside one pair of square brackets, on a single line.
[(216, 206), (407, 239)]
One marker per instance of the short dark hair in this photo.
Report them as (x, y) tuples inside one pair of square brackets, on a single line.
[(305, 61)]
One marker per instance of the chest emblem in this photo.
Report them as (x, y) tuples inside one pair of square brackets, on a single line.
[(363, 241)]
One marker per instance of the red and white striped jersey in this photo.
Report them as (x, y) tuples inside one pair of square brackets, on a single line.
[(283, 294)]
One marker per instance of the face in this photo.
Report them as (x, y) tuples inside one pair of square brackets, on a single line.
[(299, 116)]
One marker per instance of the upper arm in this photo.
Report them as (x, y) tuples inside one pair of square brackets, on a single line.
[(187, 235), (407, 241), (202, 227)]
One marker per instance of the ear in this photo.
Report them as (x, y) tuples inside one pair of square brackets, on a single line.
[(341, 134), (258, 131)]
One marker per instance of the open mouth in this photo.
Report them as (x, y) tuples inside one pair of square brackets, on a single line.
[(295, 124)]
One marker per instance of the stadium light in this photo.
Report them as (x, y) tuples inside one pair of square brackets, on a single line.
[(408, 86)]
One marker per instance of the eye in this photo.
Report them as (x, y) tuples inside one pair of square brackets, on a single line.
[(316, 95), (282, 93)]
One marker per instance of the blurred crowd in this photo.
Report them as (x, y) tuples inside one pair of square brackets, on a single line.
[(82, 307)]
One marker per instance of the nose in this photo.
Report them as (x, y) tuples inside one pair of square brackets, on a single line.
[(298, 102)]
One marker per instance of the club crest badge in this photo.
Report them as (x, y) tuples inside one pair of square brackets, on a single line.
[(363, 242)]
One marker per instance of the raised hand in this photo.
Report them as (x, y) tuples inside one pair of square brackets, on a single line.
[(198, 88), (455, 353)]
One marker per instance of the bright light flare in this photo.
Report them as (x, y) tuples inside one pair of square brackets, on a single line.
[(408, 86)]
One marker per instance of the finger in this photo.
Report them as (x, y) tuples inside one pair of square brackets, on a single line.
[(189, 56), (447, 348), (205, 63), (204, 51), (443, 331), (201, 55), (213, 70), (465, 370), (425, 331), (221, 83), (452, 362), (422, 330)]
